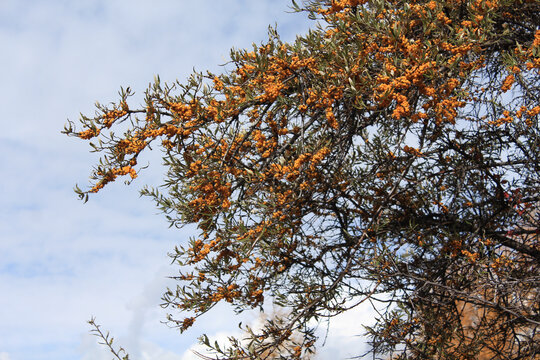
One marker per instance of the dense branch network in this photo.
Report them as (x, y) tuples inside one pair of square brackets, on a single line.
[(390, 154)]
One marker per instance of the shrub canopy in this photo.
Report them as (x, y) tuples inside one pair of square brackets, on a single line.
[(390, 155)]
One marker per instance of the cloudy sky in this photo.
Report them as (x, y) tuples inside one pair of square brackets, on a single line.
[(62, 261)]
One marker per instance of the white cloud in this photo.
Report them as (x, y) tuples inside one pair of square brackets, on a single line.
[(4, 356), (91, 350), (345, 334)]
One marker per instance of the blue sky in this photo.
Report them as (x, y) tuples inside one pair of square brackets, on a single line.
[(62, 261)]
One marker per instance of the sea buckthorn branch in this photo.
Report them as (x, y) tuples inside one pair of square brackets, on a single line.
[(377, 147)]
